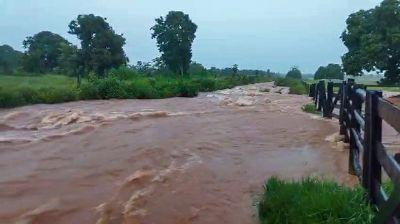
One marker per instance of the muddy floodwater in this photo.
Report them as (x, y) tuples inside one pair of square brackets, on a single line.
[(178, 160)]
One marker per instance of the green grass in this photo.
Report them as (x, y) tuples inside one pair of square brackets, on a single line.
[(389, 89), (36, 81), (312, 201), (295, 86), (120, 84), (310, 108)]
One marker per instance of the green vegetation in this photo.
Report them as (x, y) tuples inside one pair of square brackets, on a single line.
[(331, 71), (101, 48), (296, 86), (44, 52), (10, 59), (383, 88), (294, 73), (372, 39), (101, 70), (175, 35), (310, 108), (312, 201), (122, 83)]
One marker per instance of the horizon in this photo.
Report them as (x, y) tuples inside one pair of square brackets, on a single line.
[(275, 35)]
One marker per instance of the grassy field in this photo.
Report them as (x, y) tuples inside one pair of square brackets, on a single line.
[(36, 82), (388, 89), (312, 201)]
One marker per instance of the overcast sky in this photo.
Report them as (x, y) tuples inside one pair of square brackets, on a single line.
[(255, 34)]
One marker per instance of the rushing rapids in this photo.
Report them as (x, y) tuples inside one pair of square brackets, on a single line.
[(179, 160)]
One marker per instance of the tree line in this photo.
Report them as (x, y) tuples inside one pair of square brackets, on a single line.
[(372, 38), (101, 48)]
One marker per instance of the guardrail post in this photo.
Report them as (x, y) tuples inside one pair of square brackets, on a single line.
[(316, 91), (321, 95), (342, 106), (312, 90), (373, 174), (327, 112)]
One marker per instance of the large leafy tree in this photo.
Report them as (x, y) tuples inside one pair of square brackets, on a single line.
[(373, 41), (43, 51), (9, 59), (175, 35), (331, 71), (294, 73), (101, 48)]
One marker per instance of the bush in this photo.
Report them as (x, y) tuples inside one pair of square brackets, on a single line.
[(207, 84), (310, 108), (121, 83), (295, 86), (110, 88), (89, 91), (188, 89), (312, 201), (298, 89), (123, 73), (30, 95), (10, 99), (51, 95), (142, 89), (25, 95)]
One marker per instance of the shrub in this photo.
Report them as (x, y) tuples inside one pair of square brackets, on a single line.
[(30, 95), (298, 89), (188, 89), (123, 73), (142, 89), (10, 99), (295, 86), (310, 108), (110, 88), (312, 201), (207, 84), (89, 91), (52, 95)]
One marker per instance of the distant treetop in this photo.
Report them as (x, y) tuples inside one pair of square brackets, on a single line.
[(331, 71), (294, 73)]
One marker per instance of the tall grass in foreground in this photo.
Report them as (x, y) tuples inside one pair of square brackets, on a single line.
[(312, 201)]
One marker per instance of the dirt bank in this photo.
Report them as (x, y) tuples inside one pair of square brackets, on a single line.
[(200, 160)]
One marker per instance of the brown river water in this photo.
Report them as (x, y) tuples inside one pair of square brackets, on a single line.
[(178, 160)]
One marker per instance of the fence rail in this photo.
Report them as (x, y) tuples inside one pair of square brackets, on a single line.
[(360, 113)]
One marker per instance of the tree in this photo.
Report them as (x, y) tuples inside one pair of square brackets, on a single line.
[(235, 69), (294, 73), (101, 48), (331, 71), (175, 35), (373, 41), (10, 59), (197, 68), (43, 52)]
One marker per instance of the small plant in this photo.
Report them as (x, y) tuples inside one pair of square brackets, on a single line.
[(310, 108), (312, 201)]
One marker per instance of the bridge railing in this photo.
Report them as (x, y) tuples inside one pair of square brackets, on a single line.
[(361, 113)]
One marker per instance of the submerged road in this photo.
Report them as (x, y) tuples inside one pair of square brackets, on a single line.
[(178, 160)]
